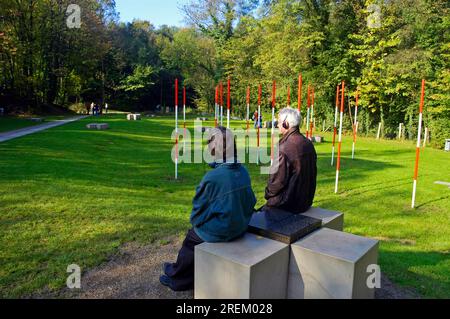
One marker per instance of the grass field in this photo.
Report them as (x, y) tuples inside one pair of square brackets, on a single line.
[(69, 195), (15, 123)]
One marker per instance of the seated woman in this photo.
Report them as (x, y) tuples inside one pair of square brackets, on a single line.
[(222, 208)]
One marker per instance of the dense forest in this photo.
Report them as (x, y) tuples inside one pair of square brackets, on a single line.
[(383, 48)]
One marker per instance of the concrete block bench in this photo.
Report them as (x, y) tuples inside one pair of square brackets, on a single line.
[(330, 264), (134, 117), (330, 219), (97, 126), (251, 267)]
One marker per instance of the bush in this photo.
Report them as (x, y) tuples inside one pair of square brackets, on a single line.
[(440, 131)]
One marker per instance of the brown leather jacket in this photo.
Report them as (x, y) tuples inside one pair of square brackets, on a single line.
[(292, 186)]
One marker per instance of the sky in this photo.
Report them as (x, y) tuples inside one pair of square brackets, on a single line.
[(158, 12)]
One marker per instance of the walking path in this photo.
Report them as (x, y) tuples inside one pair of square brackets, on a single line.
[(6, 136)]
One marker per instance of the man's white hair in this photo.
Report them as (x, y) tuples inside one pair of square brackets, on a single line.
[(291, 116)]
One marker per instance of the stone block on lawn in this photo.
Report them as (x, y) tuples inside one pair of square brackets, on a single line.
[(36, 119), (318, 139), (134, 117), (251, 267), (329, 218), (98, 126), (330, 264)]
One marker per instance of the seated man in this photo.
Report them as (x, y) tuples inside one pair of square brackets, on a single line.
[(222, 208), (292, 183)]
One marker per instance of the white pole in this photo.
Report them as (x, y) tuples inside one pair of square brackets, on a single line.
[(379, 131), (400, 131), (228, 118), (221, 115), (355, 126)]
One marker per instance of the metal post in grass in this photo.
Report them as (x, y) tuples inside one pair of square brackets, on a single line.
[(272, 144), (258, 123), (228, 102), (400, 131), (176, 128), (419, 133), (379, 131), (355, 125), (248, 109), (338, 166), (308, 103), (335, 124)]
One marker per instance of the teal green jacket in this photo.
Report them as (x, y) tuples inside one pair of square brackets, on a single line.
[(223, 204)]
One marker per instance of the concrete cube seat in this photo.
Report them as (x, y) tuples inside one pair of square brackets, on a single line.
[(97, 126), (329, 264), (134, 117), (330, 219), (251, 267)]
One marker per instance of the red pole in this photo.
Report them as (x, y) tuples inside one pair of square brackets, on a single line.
[(338, 167), (300, 84), (419, 133)]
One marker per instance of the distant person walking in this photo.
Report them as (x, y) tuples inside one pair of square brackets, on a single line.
[(106, 108), (93, 108)]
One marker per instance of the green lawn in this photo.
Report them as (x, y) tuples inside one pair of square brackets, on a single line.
[(14, 123), (69, 195)]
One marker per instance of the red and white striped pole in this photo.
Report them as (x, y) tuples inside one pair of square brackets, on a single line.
[(419, 134), (335, 124), (312, 113), (228, 102), (338, 167), (184, 118), (258, 121), (274, 97), (355, 125), (176, 128), (221, 104), (309, 110), (248, 109), (216, 107)]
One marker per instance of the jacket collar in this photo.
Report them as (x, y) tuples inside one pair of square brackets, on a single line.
[(289, 133)]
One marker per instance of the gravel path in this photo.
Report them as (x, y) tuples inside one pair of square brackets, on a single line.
[(33, 129), (133, 273)]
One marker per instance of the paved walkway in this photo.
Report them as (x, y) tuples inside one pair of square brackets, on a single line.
[(6, 136)]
